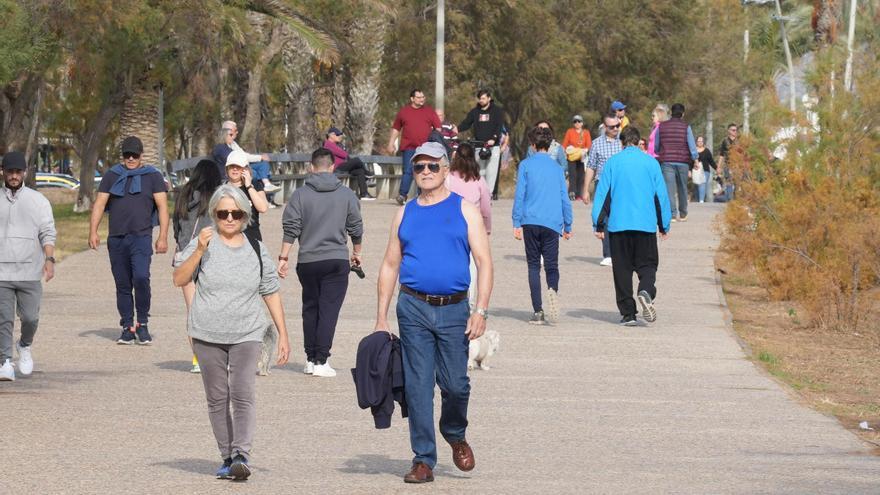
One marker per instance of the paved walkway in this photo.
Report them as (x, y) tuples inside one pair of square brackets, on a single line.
[(585, 406)]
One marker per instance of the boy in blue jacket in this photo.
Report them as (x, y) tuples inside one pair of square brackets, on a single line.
[(631, 205), (541, 214)]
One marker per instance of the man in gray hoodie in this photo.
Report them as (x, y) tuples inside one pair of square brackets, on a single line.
[(322, 214)]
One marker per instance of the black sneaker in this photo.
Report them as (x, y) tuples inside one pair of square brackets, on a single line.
[(629, 321), (143, 335), (239, 468), (647, 304), (537, 318), (127, 337), (223, 473), (367, 197), (401, 199)]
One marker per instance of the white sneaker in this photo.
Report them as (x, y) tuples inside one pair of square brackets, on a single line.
[(269, 187), (25, 360), (309, 368), (605, 262), (324, 370), (7, 372), (552, 312)]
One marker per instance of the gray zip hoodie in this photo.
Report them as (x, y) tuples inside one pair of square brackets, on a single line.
[(320, 214)]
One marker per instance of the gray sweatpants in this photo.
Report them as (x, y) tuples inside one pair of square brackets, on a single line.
[(229, 372), (22, 298)]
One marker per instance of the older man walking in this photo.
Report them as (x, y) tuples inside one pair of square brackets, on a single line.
[(432, 239), (604, 147), (630, 207), (27, 246), (676, 150)]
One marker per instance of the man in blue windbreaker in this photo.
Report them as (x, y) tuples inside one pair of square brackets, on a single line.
[(631, 205)]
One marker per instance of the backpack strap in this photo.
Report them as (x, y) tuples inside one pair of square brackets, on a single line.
[(255, 244)]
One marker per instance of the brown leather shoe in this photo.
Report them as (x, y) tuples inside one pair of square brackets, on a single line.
[(420, 473), (462, 455)]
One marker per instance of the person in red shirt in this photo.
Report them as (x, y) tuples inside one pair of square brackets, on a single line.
[(413, 124)]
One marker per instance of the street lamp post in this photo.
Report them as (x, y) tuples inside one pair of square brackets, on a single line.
[(439, 89)]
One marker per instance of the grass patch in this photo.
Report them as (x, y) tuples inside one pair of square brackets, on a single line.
[(73, 230)]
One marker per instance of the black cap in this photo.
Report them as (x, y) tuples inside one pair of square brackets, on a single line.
[(14, 160), (334, 130), (132, 144)]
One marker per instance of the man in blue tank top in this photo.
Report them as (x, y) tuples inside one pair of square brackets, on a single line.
[(432, 239)]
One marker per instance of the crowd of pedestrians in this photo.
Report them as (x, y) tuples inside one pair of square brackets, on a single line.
[(437, 258)]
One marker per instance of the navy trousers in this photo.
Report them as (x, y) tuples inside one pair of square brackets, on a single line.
[(130, 257)]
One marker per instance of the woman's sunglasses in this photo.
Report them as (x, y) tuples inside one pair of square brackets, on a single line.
[(419, 167), (224, 214)]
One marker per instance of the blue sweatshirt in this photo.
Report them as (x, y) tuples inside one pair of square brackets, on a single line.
[(541, 195), (631, 195)]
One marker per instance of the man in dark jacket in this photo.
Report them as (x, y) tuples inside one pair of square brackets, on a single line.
[(487, 119), (676, 150), (321, 215)]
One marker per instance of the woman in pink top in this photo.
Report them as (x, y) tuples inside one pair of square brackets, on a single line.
[(464, 179), (660, 114)]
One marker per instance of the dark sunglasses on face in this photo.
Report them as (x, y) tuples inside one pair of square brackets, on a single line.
[(614, 126), (419, 167), (224, 214), (131, 156)]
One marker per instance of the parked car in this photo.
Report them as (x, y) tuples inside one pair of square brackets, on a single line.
[(63, 181)]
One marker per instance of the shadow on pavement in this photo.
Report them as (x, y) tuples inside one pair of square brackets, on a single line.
[(198, 466), (593, 314), (175, 365), (107, 333), (584, 259), (517, 257), (514, 314), (382, 464)]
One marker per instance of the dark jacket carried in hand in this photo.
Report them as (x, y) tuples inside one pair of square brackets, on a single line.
[(378, 377)]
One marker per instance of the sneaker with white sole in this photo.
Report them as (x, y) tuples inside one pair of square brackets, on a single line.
[(537, 318), (25, 360), (647, 304), (7, 372), (269, 187), (324, 370), (605, 262), (629, 321), (309, 368), (552, 312)]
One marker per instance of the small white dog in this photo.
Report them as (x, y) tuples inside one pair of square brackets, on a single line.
[(481, 349), (268, 351)]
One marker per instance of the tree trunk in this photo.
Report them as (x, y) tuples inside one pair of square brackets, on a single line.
[(31, 141), (710, 127), (340, 98), (19, 108), (300, 94), (140, 118), (89, 150), (368, 36), (253, 117)]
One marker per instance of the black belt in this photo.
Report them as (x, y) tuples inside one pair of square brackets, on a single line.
[(435, 300)]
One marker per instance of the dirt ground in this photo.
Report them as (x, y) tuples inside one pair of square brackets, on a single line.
[(833, 371)]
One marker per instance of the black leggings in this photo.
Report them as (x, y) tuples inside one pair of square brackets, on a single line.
[(576, 178)]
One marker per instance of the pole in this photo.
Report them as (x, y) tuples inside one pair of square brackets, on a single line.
[(161, 150), (441, 56), (745, 125), (792, 101), (847, 76)]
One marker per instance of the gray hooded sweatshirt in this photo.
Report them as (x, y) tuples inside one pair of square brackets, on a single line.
[(320, 214)]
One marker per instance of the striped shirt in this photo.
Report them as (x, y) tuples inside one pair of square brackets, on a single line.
[(603, 149)]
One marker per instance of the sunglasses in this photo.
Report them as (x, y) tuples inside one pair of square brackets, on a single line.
[(224, 214), (577, 121), (614, 126), (433, 167), (131, 156)]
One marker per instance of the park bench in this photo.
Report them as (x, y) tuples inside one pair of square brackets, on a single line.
[(289, 171)]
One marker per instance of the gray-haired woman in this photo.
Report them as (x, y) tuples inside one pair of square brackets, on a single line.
[(227, 322)]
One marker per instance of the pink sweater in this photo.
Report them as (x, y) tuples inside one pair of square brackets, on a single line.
[(651, 140), (475, 191), (339, 154)]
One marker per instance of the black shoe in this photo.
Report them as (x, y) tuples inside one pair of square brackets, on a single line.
[(367, 197), (629, 321), (647, 304), (495, 197), (239, 468), (127, 337), (401, 199), (537, 318), (143, 335)]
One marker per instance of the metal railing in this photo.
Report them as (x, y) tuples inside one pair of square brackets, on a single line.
[(289, 171)]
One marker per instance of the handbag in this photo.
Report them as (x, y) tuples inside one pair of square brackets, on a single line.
[(575, 155), (178, 256), (698, 176)]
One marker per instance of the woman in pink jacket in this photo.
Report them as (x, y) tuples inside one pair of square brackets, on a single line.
[(660, 114)]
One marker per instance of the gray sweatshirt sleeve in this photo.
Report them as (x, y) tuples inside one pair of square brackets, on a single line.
[(291, 220), (46, 221), (354, 223), (270, 283)]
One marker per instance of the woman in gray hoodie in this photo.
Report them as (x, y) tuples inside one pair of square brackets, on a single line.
[(322, 215)]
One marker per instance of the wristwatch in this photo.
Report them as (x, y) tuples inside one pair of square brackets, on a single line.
[(484, 312), (283, 258), (50, 258)]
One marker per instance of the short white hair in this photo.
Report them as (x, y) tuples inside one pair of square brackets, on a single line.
[(241, 202)]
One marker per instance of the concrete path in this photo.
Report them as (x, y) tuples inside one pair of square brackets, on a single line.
[(585, 406)]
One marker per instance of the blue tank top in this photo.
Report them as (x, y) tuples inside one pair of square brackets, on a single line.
[(436, 252)]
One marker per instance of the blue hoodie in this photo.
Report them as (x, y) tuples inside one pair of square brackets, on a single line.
[(541, 195), (631, 195)]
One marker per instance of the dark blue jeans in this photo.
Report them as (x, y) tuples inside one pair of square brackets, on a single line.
[(435, 350), (130, 257), (407, 180), (541, 242)]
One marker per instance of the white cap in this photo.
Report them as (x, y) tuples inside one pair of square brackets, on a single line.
[(237, 157)]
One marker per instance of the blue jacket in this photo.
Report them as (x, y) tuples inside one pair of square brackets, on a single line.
[(541, 195), (556, 152), (631, 195), (378, 377)]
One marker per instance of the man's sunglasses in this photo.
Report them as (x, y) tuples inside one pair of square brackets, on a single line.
[(131, 156), (614, 126), (419, 167), (224, 214)]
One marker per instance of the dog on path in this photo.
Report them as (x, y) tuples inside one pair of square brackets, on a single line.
[(481, 349)]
